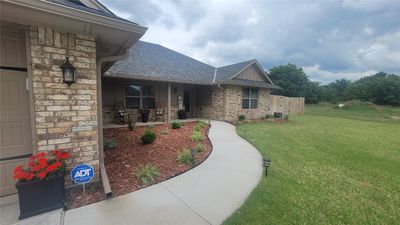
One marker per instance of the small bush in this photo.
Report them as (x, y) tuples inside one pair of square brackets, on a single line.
[(197, 128), (197, 136), (286, 117), (199, 147), (185, 157), (176, 125), (151, 126), (110, 143), (147, 174), (201, 124), (148, 137), (164, 132), (268, 116), (242, 117)]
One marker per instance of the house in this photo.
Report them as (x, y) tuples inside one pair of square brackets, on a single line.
[(153, 76), (40, 112)]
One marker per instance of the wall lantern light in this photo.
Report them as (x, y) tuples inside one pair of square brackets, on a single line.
[(68, 71)]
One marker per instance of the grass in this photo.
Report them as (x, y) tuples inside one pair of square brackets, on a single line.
[(185, 157), (329, 166), (147, 174), (197, 136)]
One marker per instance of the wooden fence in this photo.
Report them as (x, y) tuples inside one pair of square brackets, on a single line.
[(286, 105)]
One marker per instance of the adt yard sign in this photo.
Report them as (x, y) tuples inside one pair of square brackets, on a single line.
[(82, 173)]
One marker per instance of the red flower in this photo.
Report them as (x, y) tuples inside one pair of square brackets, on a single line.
[(34, 168), (53, 166), (42, 175), (42, 162), (39, 155)]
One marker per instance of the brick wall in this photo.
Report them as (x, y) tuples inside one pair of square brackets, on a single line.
[(227, 103), (66, 117)]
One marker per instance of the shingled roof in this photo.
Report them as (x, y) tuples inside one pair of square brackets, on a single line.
[(150, 61)]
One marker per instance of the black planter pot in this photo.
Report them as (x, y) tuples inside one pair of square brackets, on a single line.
[(145, 116), (182, 115), (40, 196)]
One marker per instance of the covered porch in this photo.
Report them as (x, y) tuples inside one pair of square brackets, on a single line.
[(162, 99)]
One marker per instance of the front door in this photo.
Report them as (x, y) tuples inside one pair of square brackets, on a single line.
[(15, 126), (186, 100)]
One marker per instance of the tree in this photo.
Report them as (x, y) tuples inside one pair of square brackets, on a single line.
[(295, 83), (381, 88)]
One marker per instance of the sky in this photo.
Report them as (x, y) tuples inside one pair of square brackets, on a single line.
[(329, 39)]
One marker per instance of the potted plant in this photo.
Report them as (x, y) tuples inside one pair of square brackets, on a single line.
[(181, 114), (144, 113), (40, 186)]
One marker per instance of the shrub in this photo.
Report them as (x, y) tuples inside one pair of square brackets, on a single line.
[(147, 174), (164, 132), (199, 147), (151, 126), (110, 143), (286, 117), (197, 136), (197, 128), (185, 157), (176, 125), (242, 117), (148, 137), (268, 116), (201, 124)]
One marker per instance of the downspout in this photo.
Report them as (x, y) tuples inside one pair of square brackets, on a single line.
[(103, 173)]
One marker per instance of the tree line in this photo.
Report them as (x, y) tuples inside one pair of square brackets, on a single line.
[(380, 88)]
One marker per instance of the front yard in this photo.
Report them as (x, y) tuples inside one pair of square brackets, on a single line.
[(328, 167), (132, 164)]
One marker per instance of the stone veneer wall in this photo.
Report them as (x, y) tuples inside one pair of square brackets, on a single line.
[(227, 104), (66, 117)]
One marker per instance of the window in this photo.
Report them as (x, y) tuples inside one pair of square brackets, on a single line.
[(249, 98), (139, 97)]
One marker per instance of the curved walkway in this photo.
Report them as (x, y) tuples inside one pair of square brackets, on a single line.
[(207, 194)]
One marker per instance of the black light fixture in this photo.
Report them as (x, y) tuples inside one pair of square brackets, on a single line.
[(266, 164), (68, 71)]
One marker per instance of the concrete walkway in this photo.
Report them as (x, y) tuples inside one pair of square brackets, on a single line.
[(207, 194)]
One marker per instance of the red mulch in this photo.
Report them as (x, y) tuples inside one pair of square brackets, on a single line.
[(123, 161), (75, 198)]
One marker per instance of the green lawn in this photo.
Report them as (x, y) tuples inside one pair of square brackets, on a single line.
[(329, 166)]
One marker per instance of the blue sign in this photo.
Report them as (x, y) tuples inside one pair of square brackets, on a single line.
[(82, 173)]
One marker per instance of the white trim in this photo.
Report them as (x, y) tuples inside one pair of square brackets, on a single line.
[(215, 75)]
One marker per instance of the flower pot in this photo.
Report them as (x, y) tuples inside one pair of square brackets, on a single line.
[(145, 116), (182, 115), (40, 196)]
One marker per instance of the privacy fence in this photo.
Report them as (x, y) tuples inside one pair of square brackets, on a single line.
[(286, 105)]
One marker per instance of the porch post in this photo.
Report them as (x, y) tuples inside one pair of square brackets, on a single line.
[(169, 104)]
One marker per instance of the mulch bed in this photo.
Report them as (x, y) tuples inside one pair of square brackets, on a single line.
[(123, 161)]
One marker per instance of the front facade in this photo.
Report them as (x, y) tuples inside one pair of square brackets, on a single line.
[(159, 79), (40, 113)]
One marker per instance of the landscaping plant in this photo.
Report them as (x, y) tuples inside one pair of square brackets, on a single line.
[(164, 132), (147, 174), (199, 147), (201, 124), (110, 143), (286, 117), (148, 137), (185, 157), (197, 136), (176, 125), (242, 117), (131, 123)]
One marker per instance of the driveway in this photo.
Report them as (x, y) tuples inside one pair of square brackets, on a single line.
[(207, 194)]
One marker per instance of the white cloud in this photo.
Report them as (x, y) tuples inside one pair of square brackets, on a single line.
[(346, 38), (317, 74)]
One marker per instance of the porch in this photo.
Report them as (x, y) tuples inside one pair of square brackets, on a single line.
[(162, 99)]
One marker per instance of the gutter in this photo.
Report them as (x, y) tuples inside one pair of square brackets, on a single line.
[(103, 173)]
